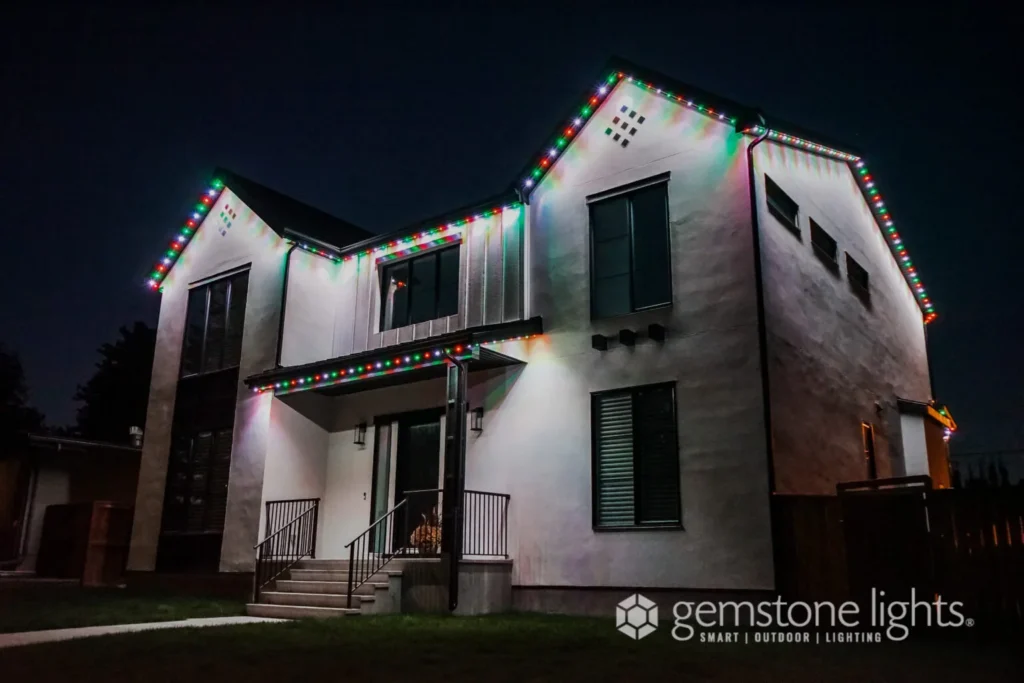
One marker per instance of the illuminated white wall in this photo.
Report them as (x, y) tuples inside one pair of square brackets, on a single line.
[(835, 362), (214, 249)]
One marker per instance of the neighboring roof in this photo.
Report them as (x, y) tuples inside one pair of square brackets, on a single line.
[(935, 411), (744, 119), (286, 216), (66, 443)]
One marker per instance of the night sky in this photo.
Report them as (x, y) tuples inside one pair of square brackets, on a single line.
[(112, 122)]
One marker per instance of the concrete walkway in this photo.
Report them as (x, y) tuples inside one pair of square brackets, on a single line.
[(33, 637)]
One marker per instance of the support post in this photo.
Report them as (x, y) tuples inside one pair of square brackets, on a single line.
[(454, 474)]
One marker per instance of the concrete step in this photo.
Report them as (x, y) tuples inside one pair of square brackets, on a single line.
[(314, 599), (330, 575), (342, 565), (335, 587), (297, 611)]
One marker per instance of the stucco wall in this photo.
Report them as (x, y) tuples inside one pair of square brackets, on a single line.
[(537, 445), (833, 358), (214, 250), (334, 308)]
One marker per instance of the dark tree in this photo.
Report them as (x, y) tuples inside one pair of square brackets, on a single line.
[(16, 415), (115, 398)]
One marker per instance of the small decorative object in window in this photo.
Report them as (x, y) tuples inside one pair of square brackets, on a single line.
[(599, 342), (360, 438), (656, 332), (627, 337), (477, 421)]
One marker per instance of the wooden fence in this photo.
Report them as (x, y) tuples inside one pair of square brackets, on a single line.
[(960, 544)]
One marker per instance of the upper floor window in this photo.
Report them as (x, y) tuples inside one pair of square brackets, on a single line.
[(781, 205), (629, 252), (635, 458), (420, 289), (824, 246), (857, 275), (213, 325)]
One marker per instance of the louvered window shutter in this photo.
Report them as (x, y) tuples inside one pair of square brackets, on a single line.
[(613, 431)]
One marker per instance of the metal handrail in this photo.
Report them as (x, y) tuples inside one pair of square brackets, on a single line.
[(382, 530), (272, 560)]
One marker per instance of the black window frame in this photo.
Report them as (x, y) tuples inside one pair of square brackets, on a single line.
[(384, 268), (818, 235), (779, 202), (853, 270), (638, 524), (867, 437), (206, 287), (627, 192)]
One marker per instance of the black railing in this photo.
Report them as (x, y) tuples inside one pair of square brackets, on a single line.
[(485, 523), (411, 529), (292, 541)]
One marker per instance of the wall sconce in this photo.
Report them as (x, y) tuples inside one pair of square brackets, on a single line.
[(361, 434), (477, 421)]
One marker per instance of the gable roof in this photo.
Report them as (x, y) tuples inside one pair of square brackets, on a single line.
[(286, 216), (744, 119)]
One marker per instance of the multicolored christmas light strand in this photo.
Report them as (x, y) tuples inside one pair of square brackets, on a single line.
[(380, 367), (192, 223)]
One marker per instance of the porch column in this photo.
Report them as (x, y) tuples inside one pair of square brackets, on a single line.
[(454, 476)]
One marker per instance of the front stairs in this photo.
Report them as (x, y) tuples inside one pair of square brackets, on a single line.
[(318, 589)]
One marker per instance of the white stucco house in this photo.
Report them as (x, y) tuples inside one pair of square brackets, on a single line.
[(680, 308)]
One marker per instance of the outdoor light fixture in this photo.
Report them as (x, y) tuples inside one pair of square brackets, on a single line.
[(656, 332), (477, 424), (627, 337), (361, 434), (599, 342)]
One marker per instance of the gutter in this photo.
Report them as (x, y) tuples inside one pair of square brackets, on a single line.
[(284, 305)]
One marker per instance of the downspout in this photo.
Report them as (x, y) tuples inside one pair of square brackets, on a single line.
[(762, 343), (762, 326), (284, 304)]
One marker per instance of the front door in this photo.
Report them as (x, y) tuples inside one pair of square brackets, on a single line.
[(417, 478)]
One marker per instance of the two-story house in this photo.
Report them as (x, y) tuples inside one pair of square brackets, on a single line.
[(594, 380)]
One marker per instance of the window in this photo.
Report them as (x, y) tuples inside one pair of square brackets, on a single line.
[(823, 244), (635, 458), (781, 205), (867, 435), (197, 482), (857, 275), (213, 325), (420, 289), (629, 252)]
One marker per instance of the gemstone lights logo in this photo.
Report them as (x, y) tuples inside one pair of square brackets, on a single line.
[(636, 616)]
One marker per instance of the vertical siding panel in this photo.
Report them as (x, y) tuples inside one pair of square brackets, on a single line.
[(512, 270), (346, 310), (362, 294), (421, 331), (461, 323), (476, 245), (405, 334), (493, 271)]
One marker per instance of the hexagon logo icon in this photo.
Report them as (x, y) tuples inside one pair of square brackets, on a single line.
[(636, 616)]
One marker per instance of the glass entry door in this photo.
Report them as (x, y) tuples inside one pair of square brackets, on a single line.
[(417, 478)]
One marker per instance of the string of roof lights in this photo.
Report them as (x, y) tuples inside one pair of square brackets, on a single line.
[(450, 232), (380, 367)]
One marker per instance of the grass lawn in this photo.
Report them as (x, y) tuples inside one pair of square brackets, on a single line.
[(26, 607), (504, 648)]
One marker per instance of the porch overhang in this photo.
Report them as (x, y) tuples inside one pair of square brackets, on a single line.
[(399, 364)]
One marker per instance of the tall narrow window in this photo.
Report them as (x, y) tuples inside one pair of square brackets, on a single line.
[(824, 246), (420, 289), (867, 433), (197, 482), (781, 205), (213, 325), (635, 458), (629, 252), (858, 276)]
